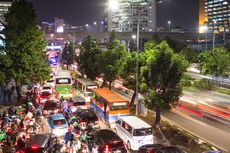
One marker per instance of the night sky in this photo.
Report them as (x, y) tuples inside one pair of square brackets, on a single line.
[(182, 13)]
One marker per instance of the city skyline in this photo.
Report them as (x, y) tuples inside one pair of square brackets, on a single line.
[(185, 13)]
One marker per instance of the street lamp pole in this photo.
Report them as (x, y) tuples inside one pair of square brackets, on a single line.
[(137, 61), (169, 23), (213, 38)]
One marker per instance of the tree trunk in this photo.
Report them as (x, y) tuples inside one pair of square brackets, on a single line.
[(103, 83), (158, 117), (18, 90), (132, 99), (110, 85)]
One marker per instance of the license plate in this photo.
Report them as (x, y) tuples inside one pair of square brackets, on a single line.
[(117, 151)]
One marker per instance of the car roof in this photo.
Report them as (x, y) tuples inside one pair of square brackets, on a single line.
[(152, 146), (135, 122), (108, 136), (87, 112), (39, 139), (57, 116), (170, 149)]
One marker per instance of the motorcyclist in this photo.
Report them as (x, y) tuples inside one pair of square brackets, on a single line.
[(83, 137), (67, 136), (21, 143), (57, 147)]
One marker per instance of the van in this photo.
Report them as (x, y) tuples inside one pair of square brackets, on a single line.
[(134, 132)]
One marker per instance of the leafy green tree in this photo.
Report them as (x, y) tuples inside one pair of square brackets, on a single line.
[(217, 63), (89, 58), (5, 62), (24, 45), (111, 61), (175, 45), (190, 55), (68, 54), (112, 41), (161, 78)]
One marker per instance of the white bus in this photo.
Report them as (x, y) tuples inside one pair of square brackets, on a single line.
[(85, 85), (134, 132), (63, 83)]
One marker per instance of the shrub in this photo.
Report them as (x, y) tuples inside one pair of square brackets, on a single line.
[(203, 84)]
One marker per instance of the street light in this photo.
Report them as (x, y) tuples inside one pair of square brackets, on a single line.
[(134, 37), (113, 5), (213, 38), (169, 23), (87, 25), (95, 23)]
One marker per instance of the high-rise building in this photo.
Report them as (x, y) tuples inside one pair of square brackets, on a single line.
[(125, 18), (215, 14), (59, 25), (4, 7), (48, 27)]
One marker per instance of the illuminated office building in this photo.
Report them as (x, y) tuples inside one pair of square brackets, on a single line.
[(4, 7), (215, 14), (125, 18)]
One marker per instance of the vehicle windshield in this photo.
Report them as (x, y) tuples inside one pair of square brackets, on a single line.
[(79, 103), (89, 118), (142, 132), (46, 88), (59, 122), (119, 105), (63, 81)]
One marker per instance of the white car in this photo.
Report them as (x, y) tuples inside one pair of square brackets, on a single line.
[(50, 83), (47, 89)]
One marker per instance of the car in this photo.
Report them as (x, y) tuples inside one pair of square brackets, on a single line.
[(78, 103), (108, 141), (40, 143), (212, 151), (50, 107), (87, 118), (50, 83), (149, 148), (47, 88), (161, 149), (44, 97), (57, 124)]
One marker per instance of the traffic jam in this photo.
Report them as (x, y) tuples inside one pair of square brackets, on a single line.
[(66, 115)]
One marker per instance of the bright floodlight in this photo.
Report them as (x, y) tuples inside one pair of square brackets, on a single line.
[(113, 5), (134, 36), (60, 29), (94, 22), (169, 22), (87, 25), (203, 29)]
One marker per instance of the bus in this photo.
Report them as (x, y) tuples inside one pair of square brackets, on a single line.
[(109, 105), (85, 86), (63, 83)]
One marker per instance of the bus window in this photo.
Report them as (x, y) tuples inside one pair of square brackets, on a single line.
[(142, 132), (119, 105)]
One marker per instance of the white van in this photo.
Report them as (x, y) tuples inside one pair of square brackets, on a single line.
[(134, 132)]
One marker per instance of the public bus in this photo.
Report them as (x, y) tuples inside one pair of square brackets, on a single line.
[(85, 86), (63, 83), (109, 105)]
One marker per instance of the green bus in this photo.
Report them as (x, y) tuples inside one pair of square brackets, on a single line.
[(63, 83)]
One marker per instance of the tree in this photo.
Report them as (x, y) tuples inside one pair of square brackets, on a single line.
[(190, 55), (217, 63), (68, 54), (161, 78), (175, 45), (111, 61), (24, 46), (89, 57)]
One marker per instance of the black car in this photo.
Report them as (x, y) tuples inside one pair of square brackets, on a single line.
[(163, 149), (50, 107), (41, 143), (149, 148), (87, 118), (108, 141)]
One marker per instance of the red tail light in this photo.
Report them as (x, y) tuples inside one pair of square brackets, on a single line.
[(115, 142), (106, 149), (34, 147)]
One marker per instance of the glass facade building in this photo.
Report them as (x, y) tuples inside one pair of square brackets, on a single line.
[(125, 19), (4, 7), (215, 14)]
